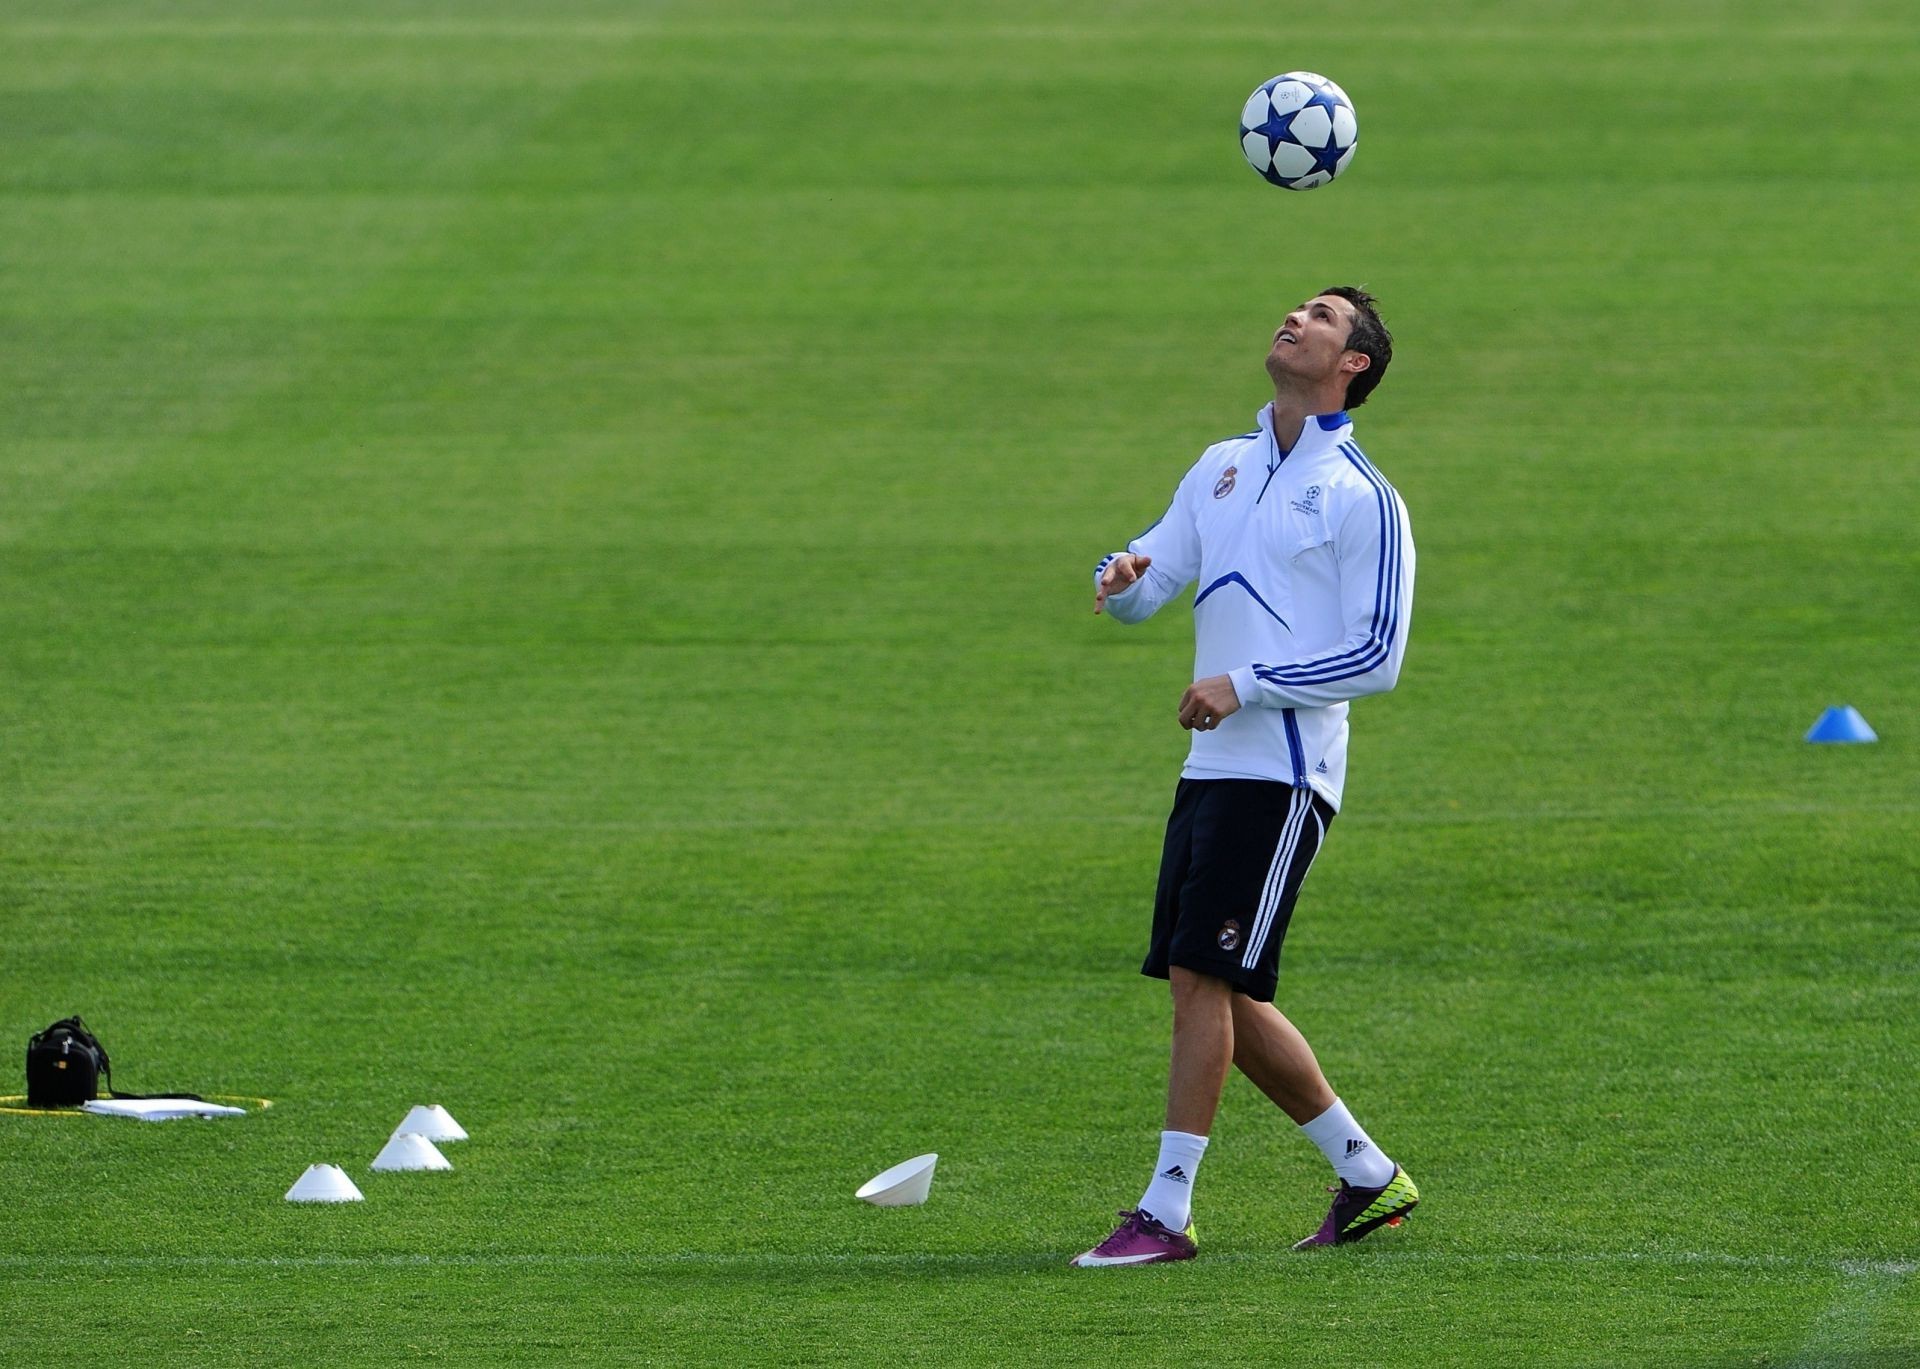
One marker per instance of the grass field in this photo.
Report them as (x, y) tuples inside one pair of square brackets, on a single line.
[(544, 567)]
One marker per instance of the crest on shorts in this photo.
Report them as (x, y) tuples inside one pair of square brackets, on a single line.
[(1224, 486), (1229, 935)]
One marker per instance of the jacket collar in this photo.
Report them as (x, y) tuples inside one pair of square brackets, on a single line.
[(1322, 430)]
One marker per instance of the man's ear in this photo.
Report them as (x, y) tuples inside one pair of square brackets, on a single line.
[(1353, 363)]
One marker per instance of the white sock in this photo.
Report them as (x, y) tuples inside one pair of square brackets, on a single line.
[(1169, 1198), (1348, 1148)]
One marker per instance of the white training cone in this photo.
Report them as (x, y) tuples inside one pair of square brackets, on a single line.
[(323, 1184), (435, 1123), (409, 1150), (905, 1185)]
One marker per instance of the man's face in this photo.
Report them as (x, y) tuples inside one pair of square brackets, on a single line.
[(1312, 340)]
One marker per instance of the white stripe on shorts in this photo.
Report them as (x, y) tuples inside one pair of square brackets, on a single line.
[(1298, 807)]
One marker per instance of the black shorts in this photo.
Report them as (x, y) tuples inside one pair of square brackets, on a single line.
[(1237, 853)]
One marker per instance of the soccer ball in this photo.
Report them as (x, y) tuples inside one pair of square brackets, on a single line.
[(1299, 130)]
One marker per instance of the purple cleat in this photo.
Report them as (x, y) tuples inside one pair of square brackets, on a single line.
[(1139, 1239), (1356, 1211)]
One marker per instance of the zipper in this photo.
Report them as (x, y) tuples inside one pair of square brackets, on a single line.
[(1274, 468)]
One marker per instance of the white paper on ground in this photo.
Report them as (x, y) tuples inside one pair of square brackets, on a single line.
[(159, 1109)]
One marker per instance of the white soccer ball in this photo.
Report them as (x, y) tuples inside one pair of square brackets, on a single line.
[(1299, 130)]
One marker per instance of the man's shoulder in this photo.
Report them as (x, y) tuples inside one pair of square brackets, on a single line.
[(1228, 451), (1349, 471), (1213, 462)]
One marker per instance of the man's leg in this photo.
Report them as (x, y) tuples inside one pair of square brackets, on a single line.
[(1204, 1027), (1202, 1055), (1270, 1051), (1160, 1227), (1158, 1230)]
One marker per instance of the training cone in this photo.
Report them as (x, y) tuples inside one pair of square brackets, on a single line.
[(905, 1185), (324, 1184), (435, 1123), (1842, 724), (410, 1150)]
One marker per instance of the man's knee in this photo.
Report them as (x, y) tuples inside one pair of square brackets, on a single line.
[(1252, 1009)]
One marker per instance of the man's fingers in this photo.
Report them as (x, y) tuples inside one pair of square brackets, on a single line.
[(1197, 714), (1119, 576)]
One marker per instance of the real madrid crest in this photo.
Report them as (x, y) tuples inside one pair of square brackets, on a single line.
[(1225, 485), (1229, 935)]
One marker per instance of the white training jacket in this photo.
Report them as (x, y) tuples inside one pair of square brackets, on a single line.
[(1305, 563)]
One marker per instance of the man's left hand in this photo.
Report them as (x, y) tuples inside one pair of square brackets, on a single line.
[(1207, 701)]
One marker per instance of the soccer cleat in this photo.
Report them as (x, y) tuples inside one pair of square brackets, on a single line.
[(1139, 1239), (1356, 1211)]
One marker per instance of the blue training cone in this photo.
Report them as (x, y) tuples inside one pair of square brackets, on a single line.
[(1842, 723)]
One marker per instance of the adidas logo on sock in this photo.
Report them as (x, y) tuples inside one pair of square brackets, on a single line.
[(1175, 1173), (1355, 1147)]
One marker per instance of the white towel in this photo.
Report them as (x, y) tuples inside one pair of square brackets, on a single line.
[(159, 1109)]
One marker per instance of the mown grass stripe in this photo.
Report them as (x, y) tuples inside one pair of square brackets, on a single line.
[(712, 1259)]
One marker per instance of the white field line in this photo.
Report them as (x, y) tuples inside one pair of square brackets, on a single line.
[(1846, 1326), (752, 1260), (1464, 818)]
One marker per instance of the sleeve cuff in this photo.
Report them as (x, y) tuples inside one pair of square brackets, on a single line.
[(1245, 686)]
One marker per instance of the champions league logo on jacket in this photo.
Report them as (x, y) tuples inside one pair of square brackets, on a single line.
[(1310, 504), (1225, 485)]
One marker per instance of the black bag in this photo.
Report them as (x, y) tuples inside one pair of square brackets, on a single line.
[(64, 1065)]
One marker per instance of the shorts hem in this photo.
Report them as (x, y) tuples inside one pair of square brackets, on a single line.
[(1247, 983)]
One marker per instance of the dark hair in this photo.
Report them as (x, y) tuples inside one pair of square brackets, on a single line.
[(1369, 337)]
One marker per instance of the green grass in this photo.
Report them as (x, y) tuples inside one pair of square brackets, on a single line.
[(543, 567)]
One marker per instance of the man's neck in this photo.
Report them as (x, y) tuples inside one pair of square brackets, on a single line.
[(1291, 412), (1288, 421)]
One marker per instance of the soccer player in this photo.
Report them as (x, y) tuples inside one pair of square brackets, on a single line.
[(1304, 558)]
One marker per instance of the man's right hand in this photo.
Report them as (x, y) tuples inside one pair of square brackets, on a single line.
[(1119, 576)]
